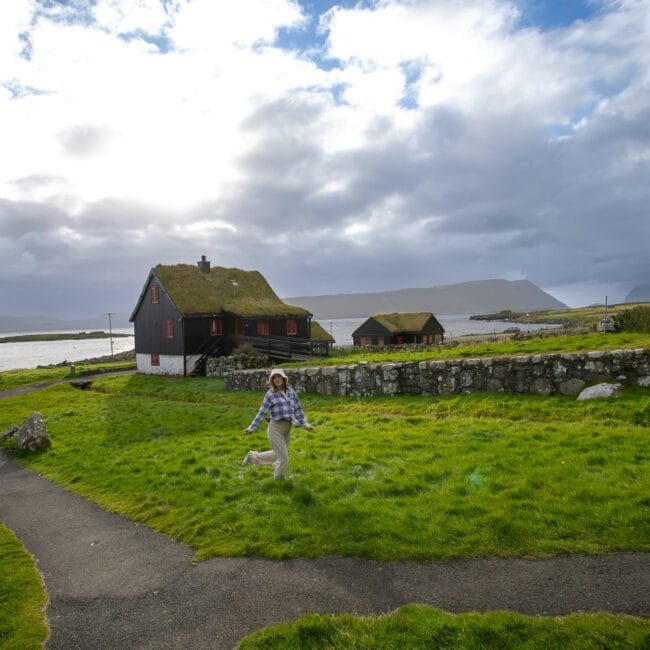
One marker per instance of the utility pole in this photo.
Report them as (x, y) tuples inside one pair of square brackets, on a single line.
[(110, 329)]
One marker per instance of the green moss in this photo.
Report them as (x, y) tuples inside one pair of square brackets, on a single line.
[(319, 333), (244, 293), (404, 321)]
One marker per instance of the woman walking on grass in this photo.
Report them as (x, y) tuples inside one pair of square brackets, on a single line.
[(283, 403)]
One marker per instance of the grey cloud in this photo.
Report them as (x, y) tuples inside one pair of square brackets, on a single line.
[(83, 139), (18, 219)]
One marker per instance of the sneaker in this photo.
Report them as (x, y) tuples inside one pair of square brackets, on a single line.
[(248, 458)]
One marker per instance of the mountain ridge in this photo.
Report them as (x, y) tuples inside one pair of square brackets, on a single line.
[(473, 297)]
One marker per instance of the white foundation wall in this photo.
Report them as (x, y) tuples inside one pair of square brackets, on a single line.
[(169, 364)]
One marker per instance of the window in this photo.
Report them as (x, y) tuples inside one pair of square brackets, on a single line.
[(216, 327), (292, 327), (154, 294), (365, 341), (169, 329), (263, 328), (380, 341), (155, 359)]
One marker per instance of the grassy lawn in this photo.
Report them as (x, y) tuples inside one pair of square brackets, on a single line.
[(407, 477), (560, 344), (15, 378), (420, 627), (588, 316), (22, 597)]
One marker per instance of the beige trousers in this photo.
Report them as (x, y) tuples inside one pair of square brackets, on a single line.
[(279, 434)]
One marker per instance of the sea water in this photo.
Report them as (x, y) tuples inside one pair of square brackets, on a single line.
[(31, 354)]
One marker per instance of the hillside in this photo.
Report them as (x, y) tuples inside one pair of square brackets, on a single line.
[(640, 293), (463, 298)]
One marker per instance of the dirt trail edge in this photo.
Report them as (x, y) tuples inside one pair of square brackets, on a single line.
[(116, 584)]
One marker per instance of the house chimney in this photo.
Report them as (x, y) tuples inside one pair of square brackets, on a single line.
[(204, 265)]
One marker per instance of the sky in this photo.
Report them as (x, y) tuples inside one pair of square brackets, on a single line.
[(337, 147)]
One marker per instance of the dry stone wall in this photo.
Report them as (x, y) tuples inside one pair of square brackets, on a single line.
[(547, 374)]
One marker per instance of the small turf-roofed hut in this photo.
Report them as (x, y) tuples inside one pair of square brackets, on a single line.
[(187, 313), (399, 329)]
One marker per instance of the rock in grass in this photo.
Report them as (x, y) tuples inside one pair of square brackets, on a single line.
[(601, 390), (32, 435), (645, 381)]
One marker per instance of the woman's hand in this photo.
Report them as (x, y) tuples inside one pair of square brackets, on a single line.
[(307, 426), (248, 430)]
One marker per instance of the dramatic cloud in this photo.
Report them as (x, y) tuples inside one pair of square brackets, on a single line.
[(379, 145)]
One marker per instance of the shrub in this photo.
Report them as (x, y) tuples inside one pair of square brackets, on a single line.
[(633, 320)]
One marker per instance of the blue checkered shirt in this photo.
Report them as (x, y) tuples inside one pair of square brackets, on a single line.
[(283, 406)]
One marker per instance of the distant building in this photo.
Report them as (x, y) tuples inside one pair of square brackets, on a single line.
[(399, 329), (187, 313)]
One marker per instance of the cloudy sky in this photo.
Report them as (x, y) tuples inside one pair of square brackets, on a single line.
[(337, 147)]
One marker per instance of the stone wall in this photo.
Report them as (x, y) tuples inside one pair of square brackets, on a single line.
[(546, 374)]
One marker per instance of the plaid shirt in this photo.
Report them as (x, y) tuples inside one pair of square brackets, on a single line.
[(283, 406)]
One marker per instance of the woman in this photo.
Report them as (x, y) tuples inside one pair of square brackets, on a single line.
[(285, 407)]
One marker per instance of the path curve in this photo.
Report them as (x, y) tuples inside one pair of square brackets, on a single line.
[(113, 583)]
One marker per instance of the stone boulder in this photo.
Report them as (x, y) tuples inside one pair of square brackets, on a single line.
[(644, 381), (600, 390), (32, 435)]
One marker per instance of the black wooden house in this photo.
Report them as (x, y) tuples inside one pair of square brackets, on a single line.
[(399, 329), (187, 313)]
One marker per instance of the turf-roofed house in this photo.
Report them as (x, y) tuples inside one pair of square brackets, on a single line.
[(399, 328), (187, 313)]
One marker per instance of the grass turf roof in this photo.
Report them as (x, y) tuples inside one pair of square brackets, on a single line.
[(404, 321), (244, 293), (319, 333)]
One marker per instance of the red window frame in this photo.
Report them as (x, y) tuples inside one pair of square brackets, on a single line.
[(380, 341), (262, 328), (153, 292), (216, 327), (155, 359), (169, 329), (365, 341), (292, 327)]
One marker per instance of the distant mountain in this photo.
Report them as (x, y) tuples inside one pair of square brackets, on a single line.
[(46, 324), (482, 296), (640, 293)]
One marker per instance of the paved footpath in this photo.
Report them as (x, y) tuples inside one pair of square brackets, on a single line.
[(116, 584)]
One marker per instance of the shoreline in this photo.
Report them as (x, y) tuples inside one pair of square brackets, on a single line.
[(59, 336)]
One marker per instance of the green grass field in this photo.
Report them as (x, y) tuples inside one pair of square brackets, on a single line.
[(393, 478), (384, 478)]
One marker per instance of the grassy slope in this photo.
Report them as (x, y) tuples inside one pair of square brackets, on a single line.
[(405, 477), (420, 627), (22, 597), (587, 316)]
